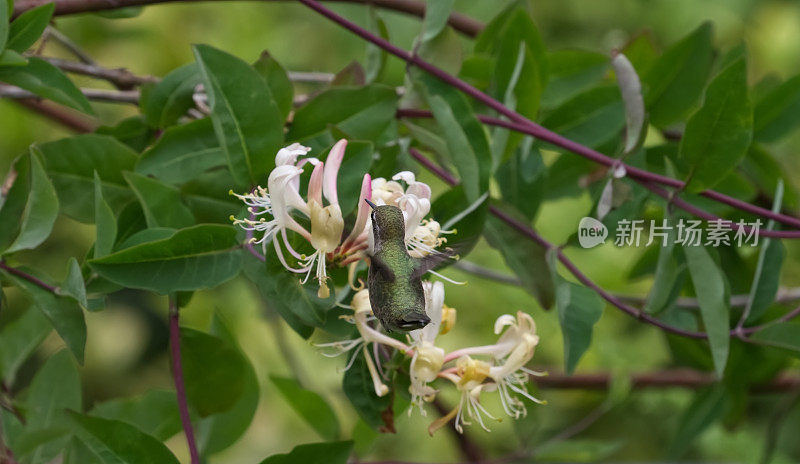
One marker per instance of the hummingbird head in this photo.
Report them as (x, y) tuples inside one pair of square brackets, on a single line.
[(387, 222)]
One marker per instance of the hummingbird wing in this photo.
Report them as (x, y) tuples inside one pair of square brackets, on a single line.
[(380, 268), (432, 261)]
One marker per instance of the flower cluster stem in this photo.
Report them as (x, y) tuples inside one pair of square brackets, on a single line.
[(177, 375)]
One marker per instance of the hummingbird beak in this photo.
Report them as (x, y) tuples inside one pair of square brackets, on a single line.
[(371, 204)]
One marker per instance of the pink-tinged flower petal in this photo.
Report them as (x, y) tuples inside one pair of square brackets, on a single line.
[(289, 155), (332, 165), (315, 184), (363, 210), (420, 189)]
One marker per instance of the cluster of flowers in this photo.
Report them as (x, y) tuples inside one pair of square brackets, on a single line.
[(270, 215), (502, 369)]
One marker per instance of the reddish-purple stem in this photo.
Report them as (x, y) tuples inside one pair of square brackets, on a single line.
[(28, 277), (644, 178), (534, 129), (177, 375)]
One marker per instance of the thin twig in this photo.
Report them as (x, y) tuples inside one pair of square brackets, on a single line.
[(310, 77), (120, 77), (65, 41), (103, 95), (66, 117), (460, 22), (177, 375)]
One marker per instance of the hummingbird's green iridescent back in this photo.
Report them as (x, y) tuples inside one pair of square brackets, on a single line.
[(395, 285)]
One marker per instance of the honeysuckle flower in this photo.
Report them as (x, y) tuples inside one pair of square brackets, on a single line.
[(321, 206), (469, 378), (427, 359)]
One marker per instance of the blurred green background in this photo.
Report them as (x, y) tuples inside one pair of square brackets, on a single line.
[(126, 346)]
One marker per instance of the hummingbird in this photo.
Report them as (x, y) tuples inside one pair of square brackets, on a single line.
[(395, 278)]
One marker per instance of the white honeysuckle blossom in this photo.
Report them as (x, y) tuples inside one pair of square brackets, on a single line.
[(428, 358), (321, 206), (468, 378)]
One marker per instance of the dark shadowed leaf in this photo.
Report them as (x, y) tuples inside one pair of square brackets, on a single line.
[(524, 257), (704, 410), (247, 120), (219, 431), (782, 335), (778, 113), (213, 371), (46, 81), (123, 441), (64, 313), (591, 118), (676, 80), (336, 452), (106, 229), (55, 388), (310, 406), (718, 134), (19, 339), (194, 258), (358, 387)]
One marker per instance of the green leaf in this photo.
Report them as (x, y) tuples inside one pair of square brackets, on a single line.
[(784, 335), (46, 81), (676, 80), (77, 452), (778, 113), (12, 58), (6, 9), (122, 442), (31, 207), (28, 27), (713, 296), (191, 259), (767, 277), (310, 406), (277, 81), (208, 197), (358, 387), (706, 407), (213, 371), (466, 138), (106, 230), (54, 389), (524, 257), (336, 452), (160, 202), (73, 284), (71, 164), (579, 309), (522, 180), (718, 134), (375, 61), (64, 313), (362, 112), (572, 72), (219, 431), (182, 153), (247, 120), (303, 313), (669, 276), (436, 16), (592, 118), (154, 412), (19, 340), (40, 211), (133, 132), (163, 103)]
